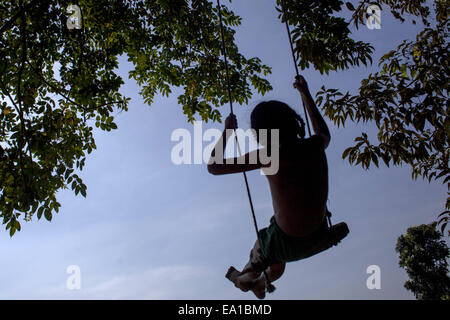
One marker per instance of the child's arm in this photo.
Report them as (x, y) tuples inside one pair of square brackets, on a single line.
[(247, 162), (318, 123)]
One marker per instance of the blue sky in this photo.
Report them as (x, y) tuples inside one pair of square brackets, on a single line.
[(152, 230)]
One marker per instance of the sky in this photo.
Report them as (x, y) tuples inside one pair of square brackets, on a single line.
[(150, 229)]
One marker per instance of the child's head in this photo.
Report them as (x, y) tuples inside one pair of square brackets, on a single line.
[(278, 115)]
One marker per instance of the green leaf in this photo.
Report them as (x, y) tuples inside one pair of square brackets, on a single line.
[(346, 152), (40, 211), (48, 215)]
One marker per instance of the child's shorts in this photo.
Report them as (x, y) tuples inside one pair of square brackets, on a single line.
[(277, 246)]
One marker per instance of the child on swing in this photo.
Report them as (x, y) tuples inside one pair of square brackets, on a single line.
[(299, 189)]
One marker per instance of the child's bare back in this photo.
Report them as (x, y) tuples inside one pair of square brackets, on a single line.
[(300, 188)]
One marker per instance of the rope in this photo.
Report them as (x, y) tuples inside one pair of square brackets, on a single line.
[(270, 287), (283, 7)]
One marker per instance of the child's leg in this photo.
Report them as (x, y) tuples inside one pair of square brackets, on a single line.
[(243, 280), (246, 279), (275, 271), (258, 286)]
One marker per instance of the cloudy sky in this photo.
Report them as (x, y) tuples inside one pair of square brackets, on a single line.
[(152, 230)]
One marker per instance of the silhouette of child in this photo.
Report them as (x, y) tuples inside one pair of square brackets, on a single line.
[(299, 189)]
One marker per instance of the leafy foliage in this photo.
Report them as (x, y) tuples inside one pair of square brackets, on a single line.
[(398, 8), (47, 117), (423, 254), (322, 39)]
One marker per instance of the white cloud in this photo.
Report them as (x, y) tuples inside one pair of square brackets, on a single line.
[(166, 282)]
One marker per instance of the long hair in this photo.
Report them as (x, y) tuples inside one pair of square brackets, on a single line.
[(278, 115)]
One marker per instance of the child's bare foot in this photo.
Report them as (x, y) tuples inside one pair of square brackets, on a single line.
[(259, 288), (233, 275)]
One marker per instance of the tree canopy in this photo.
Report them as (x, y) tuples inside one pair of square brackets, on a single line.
[(47, 117), (423, 254), (56, 84)]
